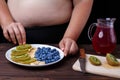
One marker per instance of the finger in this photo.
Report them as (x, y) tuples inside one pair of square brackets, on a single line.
[(61, 45), (73, 48), (6, 35), (23, 33), (67, 48), (12, 35), (17, 34)]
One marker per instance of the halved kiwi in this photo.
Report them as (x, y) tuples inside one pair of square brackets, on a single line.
[(94, 60), (112, 60)]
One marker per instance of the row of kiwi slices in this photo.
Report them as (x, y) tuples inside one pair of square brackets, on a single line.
[(20, 54), (111, 60)]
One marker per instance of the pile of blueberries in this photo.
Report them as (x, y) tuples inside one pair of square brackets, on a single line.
[(47, 54)]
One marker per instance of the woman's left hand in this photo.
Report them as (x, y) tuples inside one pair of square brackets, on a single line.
[(68, 46)]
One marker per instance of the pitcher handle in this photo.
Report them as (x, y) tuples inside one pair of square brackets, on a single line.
[(90, 30)]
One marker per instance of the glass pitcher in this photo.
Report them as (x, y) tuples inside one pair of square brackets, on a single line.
[(104, 37)]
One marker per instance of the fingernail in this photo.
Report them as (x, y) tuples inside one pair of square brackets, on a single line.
[(62, 49), (24, 42), (65, 54)]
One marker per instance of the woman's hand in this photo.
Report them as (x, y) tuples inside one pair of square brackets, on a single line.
[(15, 33), (68, 46)]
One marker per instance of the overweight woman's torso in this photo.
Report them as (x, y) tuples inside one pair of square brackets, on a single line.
[(40, 12)]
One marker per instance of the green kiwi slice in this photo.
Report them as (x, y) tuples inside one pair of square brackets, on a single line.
[(29, 61), (112, 60), (94, 60), (18, 52), (20, 58), (23, 47)]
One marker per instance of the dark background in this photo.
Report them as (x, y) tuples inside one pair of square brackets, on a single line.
[(101, 9)]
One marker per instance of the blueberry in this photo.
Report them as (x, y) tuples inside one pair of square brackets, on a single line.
[(47, 54), (49, 57), (52, 60)]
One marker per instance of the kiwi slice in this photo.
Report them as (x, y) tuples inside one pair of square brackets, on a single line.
[(94, 60), (23, 47), (29, 61), (20, 58), (18, 52), (112, 60)]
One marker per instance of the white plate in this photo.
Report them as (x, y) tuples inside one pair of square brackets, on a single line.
[(8, 55)]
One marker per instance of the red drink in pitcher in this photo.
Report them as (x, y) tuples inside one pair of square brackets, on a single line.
[(104, 38)]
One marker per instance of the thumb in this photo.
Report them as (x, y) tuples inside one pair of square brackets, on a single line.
[(62, 47)]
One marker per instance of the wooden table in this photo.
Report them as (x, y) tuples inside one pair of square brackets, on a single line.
[(59, 71)]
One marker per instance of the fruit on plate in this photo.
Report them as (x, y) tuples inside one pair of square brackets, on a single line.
[(47, 55), (16, 52), (21, 54), (24, 59), (23, 47), (29, 61), (94, 60), (20, 58), (112, 60)]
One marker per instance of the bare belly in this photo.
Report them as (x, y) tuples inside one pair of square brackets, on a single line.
[(40, 12)]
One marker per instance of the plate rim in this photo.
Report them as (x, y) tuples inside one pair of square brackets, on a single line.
[(8, 56)]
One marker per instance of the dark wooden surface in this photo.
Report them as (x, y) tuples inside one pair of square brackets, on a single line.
[(59, 71)]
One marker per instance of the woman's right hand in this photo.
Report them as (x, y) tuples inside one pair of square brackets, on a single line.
[(12, 31), (15, 32)]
